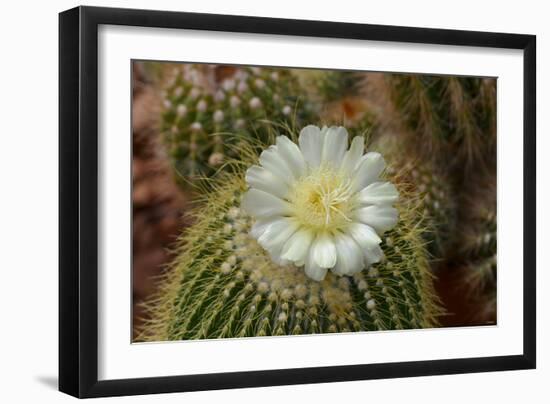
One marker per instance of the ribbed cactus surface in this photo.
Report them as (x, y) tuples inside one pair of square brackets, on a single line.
[(199, 110), (223, 284), (478, 249), (453, 116), (431, 183)]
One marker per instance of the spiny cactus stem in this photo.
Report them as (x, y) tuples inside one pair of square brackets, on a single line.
[(200, 274), (192, 307), (229, 287), (232, 324), (217, 307)]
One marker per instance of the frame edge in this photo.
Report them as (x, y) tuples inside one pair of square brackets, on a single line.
[(529, 201), (69, 114), (78, 289)]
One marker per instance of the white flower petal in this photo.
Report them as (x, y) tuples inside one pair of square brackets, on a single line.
[(290, 152), (260, 226), (261, 204), (297, 247), (278, 260), (324, 251), (271, 160), (368, 241), (335, 145), (350, 258), (264, 180), (311, 142), (364, 235), (369, 169), (313, 270), (276, 235), (378, 193), (373, 255), (379, 217), (353, 156)]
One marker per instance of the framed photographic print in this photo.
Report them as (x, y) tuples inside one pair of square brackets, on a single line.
[(251, 201)]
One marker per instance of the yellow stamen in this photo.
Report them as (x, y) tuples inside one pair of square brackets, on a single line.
[(322, 200)]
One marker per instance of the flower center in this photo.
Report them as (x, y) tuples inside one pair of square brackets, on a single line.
[(322, 199)]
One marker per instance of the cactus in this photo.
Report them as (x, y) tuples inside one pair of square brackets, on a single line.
[(477, 250), (199, 108), (223, 284), (439, 209), (333, 85), (338, 94), (451, 117), (431, 183)]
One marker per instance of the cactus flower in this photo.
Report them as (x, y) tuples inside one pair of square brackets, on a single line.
[(320, 205)]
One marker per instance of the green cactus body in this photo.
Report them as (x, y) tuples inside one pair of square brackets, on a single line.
[(198, 112), (439, 209), (223, 284)]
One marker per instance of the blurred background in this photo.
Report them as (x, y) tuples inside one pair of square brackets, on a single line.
[(439, 131)]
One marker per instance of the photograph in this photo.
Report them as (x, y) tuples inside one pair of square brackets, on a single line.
[(280, 201)]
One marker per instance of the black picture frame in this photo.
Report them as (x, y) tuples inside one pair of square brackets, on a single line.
[(78, 200)]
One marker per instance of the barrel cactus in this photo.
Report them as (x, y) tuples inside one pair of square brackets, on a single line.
[(451, 117), (477, 249), (223, 282), (202, 103), (434, 189), (339, 96), (334, 85)]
